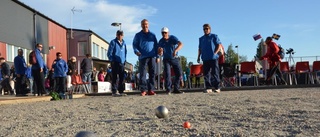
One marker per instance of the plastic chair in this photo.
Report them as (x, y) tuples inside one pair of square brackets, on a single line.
[(316, 70), (250, 68), (78, 84), (304, 68), (196, 70), (290, 77), (227, 74)]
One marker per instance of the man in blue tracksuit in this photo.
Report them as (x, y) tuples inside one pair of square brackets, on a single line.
[(170, 45), (145, 47), (209, 46), (60, 68), (37, 71), (20, 66), (117, 54)]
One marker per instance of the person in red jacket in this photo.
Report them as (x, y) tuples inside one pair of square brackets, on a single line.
[(274, 61)]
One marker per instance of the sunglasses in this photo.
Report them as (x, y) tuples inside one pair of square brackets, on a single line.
[(164, 32), (205, 28)]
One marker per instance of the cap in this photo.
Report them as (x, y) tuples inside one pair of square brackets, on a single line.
[(164, 29), (119, 32)]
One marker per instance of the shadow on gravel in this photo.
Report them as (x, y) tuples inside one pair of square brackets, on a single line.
[(125, 120)]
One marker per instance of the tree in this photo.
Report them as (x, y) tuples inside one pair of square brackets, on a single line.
[(243, 58), (136, 66), (183, 61), (232, 57), (259, 50)]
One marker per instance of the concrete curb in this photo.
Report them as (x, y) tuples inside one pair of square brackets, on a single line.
[(136, 92), (18, 100)]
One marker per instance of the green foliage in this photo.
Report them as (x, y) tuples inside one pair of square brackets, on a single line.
[(54, 95), (136, 66), (183, 61), (259, 50), (232, 57)]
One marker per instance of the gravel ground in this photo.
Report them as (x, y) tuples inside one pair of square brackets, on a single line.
[(280, 112)]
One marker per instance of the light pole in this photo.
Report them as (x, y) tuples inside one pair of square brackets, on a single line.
[(73, 10), (238, 67), (116, 24)]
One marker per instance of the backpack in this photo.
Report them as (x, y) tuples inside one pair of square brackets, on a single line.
[(281, 52), (32, 58)]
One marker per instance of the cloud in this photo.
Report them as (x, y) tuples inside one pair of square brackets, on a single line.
[(95, 15)]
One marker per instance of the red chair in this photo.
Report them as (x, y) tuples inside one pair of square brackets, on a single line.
[(316, 66), (284, 68), (196, 69), (304, 68), (316, 70), (251, 69), (77, 84)]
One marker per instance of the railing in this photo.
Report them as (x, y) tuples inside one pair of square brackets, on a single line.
[(292, 60)]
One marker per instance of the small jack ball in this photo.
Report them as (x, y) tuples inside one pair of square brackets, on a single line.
[(186, 124)]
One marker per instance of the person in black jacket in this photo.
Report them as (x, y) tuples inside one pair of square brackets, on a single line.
[(71, 71), (5, 70), (86, 71)]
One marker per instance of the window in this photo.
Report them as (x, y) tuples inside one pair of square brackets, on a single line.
[(82, 48), (95, 50), (9, 53), (15, 51), (105, 53), (12, 52), (102, 53)]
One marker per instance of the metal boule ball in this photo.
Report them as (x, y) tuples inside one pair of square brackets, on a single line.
[(162, 112), (85, 134)]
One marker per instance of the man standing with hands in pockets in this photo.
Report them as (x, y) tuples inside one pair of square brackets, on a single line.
[(117, 54), (145, 46), (169, 46)]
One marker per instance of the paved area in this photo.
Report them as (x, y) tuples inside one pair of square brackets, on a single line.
[(10, 99)]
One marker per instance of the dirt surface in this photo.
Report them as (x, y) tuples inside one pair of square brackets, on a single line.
[(277, 112)]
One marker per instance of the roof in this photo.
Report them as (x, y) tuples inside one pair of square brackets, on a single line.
[(89, 31)]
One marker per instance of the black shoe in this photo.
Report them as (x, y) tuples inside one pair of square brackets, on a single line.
[(168, 92), (177, 92)]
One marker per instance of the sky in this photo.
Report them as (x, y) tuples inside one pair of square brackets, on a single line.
[(234, 21)]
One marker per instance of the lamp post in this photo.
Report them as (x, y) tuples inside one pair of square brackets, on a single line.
[(116, 24), (238, 67)]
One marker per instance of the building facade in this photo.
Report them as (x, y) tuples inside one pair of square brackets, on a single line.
[(22, 27)]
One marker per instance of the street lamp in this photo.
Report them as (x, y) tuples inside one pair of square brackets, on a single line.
[(116, 24), (238, 67)]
